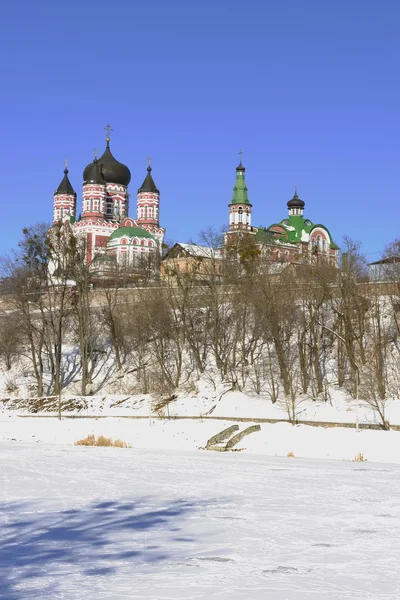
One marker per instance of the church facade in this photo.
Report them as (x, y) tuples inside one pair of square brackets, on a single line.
[(104, 224)]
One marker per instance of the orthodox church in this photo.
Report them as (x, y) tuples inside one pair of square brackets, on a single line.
[(294, 239), (112, 236), (105, 225)]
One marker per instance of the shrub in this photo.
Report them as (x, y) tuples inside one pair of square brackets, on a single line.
[(290, 455), (11, 385), (359, 457), (103, 441)]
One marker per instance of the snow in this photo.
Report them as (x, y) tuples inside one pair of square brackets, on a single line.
[(340, 409), (278, 439), (100, 523), (305, 237), (189, 421), (167, 519), (201, 251)]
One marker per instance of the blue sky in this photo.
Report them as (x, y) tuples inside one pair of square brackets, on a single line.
[(309, 90)]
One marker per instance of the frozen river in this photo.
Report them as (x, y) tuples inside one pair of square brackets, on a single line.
[(111, 524)]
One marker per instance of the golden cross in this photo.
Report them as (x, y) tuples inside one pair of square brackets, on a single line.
[(240, 154), (149, 161), (109, 130)]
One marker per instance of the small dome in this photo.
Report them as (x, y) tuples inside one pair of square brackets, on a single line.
[(130, 232), (240, 167), (111, 170), (296, 202)]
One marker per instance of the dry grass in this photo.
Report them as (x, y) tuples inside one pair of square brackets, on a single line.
[(359, 458), (290, 455), (102, 441), (161, 407), (11, 385)]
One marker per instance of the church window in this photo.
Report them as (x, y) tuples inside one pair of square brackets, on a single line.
[(240, 214), (324, 245), (150, 212)]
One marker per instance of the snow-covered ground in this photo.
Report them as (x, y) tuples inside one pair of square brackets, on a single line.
[(197, 425), (104, 523), (205, 402), (278, 439)]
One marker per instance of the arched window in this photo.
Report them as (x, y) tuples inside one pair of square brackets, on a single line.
[(319, 244), (324, 245), (240, 214)]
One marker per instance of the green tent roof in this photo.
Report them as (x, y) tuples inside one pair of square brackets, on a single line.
[(240, 189)]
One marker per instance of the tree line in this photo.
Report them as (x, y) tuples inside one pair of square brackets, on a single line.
[(288, 333)]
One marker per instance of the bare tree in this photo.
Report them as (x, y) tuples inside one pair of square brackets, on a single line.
[(10, 338)]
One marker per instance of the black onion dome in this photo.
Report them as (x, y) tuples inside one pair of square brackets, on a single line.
[(148, 184), (240, 167), (65, 186), (296, 202), (111, 170), (93, 173)]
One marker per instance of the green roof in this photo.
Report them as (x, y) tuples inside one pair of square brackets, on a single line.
[(130, 232), (240, 189), (296, 226)]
